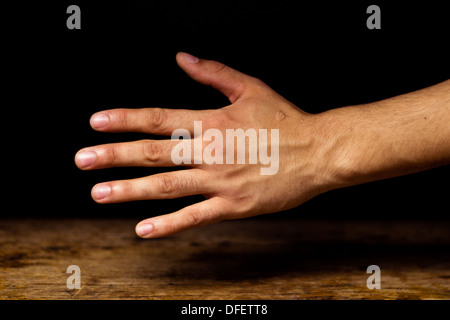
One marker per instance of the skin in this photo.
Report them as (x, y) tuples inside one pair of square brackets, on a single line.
[(317, 152)]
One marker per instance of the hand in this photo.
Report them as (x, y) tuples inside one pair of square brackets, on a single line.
[(316, 153), (231, 190)]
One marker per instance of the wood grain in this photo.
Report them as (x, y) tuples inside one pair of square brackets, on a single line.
[(247, 259)]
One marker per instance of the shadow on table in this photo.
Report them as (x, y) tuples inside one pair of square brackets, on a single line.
[(256, 257)]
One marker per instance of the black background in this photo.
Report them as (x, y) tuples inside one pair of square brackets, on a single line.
[(318, 55)]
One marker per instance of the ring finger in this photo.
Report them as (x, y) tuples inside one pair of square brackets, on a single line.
[(167, 185)]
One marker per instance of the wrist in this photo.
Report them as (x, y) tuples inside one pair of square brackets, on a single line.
[(346, 153)]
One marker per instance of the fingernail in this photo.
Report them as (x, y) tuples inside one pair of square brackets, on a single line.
[(99, 120), (100, 192), (189, 58), (86, 158), (144, 229)]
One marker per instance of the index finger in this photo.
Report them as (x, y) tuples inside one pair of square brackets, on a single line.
[(147, 120)]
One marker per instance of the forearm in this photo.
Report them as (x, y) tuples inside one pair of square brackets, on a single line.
[(392, 137)]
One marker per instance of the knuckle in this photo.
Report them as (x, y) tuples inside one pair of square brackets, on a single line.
[(219, 67), (152, 151), (120, 117), (167, 184), (111, 155), (259, 86), (224, 119), (171, 225), (126, 189), (258, 82), (194, 218), (157, 118), (221, 119)]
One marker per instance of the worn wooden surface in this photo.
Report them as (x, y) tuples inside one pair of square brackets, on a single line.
[(249, 259)]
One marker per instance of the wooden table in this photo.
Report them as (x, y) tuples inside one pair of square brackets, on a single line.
[(257, 258)]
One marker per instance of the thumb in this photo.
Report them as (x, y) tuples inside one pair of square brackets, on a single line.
[(230, 82)]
